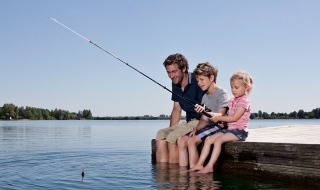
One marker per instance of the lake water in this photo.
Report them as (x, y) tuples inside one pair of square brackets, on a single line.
[(114, 154)]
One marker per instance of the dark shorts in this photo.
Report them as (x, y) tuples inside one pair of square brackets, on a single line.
[(241, 134), (207, 131)]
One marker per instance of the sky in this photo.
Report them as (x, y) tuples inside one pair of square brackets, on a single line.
[(44, 65)]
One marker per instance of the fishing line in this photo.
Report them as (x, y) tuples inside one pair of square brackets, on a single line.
[(204, 112)]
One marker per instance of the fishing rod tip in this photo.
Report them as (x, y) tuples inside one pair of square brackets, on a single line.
[(50, 17)]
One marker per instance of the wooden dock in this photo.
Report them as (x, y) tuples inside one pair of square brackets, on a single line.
[(285, 153)]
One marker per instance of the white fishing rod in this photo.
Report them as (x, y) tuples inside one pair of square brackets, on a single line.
[(204, 112)]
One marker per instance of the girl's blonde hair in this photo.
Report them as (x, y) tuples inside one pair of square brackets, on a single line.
[(205, 69), (241, 75)]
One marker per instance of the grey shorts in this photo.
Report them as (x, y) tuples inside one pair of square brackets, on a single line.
[(241, 134)]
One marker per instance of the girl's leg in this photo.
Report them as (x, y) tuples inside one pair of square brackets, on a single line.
[(205, 151), (183, 152), (193, 150), (217, 150)]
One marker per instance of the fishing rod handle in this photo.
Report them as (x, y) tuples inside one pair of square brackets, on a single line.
[(206, 114)]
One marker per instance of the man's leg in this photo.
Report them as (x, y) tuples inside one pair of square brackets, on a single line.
[(180, 130), (162, 151), (162, 145), (173, 153)]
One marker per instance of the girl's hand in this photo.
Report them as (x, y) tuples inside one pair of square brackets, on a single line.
[(221, 124), (215, 116), (214, 119), (193, 132), (198, 108)]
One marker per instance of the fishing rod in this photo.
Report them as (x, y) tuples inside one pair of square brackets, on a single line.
[(204, 112)]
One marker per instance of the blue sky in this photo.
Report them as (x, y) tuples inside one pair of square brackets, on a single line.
[(44, 65)]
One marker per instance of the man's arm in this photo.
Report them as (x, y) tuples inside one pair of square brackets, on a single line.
[(175, 114)]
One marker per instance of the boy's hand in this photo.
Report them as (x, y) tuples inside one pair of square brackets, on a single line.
[(193, 132), (198, 108)]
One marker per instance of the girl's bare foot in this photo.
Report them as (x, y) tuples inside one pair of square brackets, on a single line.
[(196, 168), (205, 170)]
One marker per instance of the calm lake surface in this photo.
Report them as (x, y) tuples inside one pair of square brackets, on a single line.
[(114, 154)]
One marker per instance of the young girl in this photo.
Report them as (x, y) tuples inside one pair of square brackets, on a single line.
[(215, 99), (238, 119)]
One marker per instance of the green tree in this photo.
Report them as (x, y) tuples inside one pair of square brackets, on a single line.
[(309, 115), (265, 115), (89, 115), (8, 110), (316, 113), (293, 115), (301, 114)]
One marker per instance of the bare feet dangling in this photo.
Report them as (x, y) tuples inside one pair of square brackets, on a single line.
[(205, 170), (196, 168)]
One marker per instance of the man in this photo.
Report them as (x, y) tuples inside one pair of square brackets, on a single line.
[(185, 86)]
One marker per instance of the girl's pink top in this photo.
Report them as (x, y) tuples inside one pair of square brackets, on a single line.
[(243, 122)]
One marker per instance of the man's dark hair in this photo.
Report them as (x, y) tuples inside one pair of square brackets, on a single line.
[(178, 59)]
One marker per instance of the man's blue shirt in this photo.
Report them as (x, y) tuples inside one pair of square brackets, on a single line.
[(192, 93)]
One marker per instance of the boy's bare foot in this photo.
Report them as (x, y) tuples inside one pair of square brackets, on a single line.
[(205, 170), (196, 168)]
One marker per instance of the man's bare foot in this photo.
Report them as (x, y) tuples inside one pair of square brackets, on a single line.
[(205, 170), (196, 168)]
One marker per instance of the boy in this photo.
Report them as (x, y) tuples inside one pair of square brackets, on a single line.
[(215, 99)]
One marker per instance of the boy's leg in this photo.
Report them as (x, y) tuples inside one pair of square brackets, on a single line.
[(217, 150), (199, 137), (183, 151), (180, 130), (193, 143), (205, 151)]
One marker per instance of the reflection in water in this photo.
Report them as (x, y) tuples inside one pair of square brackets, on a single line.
[(172, 176)]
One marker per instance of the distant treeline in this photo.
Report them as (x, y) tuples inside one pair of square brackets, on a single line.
[(131, 118), (314, 114), (10, 111)]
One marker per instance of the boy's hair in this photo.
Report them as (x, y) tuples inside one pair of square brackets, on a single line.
[(205, 69), (178, 59), (241, 75)]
